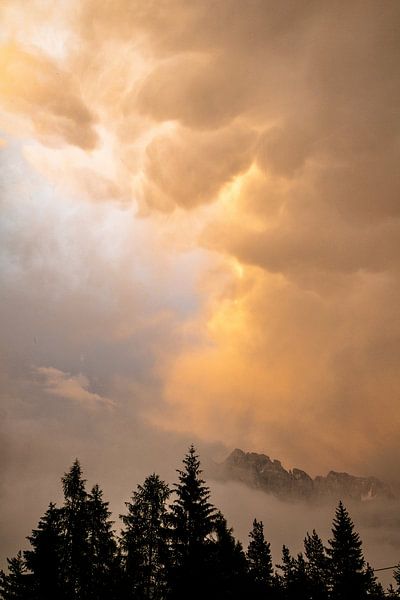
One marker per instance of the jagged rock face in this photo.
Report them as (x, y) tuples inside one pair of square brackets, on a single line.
[(345, 485), (259, 471)]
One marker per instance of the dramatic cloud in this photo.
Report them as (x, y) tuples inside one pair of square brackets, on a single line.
[(37, 88), (202, 223), (188, 169)]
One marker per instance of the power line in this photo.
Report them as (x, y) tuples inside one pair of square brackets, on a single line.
[(385, 569)]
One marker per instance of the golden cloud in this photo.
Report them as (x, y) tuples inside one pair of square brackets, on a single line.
[(272, 130), (35, 87)]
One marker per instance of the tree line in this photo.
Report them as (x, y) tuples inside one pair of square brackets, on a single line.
[(175, 545)]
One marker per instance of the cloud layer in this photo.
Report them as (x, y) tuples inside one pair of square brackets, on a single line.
[(205, 199)]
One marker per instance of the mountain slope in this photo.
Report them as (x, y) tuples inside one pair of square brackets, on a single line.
[(260, 472)]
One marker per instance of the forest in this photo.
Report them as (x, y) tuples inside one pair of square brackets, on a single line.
[(174, 545)]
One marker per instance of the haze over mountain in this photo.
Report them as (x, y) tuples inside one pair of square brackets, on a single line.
[(258, 471)]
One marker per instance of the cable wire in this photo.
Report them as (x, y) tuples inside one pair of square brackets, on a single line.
[(385, 568)]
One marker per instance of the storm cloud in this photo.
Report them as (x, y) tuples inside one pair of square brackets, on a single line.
[(201, 227)]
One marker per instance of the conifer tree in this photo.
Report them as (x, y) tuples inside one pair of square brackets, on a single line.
[(144, 540), (76, 562), (15, 585), (347, 564), (103, 576), (192, 513), (186, 552), (259, 561), (394, 591), (228, 562), (316, 566), (192, 522), (396, 577), (374, 589), (44, 560), (285, 578), (301, 584), (294, 580)]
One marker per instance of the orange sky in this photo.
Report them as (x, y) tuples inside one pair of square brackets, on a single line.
[(205, 197)]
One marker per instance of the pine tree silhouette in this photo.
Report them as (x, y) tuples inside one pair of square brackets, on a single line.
[(228, 563), (301, 582), (181, 552), (347, 565), (44, 560), (294, 584), (316, 566), (15, 584), (259, 562), (192, 522), (104, 572), (394, 592), (373, 588), (396, 576), (144, 540), (76, 555), (73, 552)]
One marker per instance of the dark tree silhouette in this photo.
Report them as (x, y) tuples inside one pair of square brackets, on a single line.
[(294, 583), (44, 560), (349, 576), (374, 589), (316, 567), (192, 522), (228, 564), (177, 552), (15, 584), (259, 562), (396, 576), (76, 554), (73, 552), (394, 591), (144, 540), (104, 572)]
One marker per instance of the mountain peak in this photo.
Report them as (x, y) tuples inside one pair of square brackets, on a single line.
[(260, 472)]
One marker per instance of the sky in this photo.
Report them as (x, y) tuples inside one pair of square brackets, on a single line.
[(200, 239)]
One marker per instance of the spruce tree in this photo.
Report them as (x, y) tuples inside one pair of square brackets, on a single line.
[(103, 575), (348, 577), (44, 560), (396, 577), (285, 578), (228, 565), (76, 562), (294, 584), (394, 591), (301, 584), (192, 522), (144, 540), (374, 589), (15, 585), (259, 561), (316, 566)]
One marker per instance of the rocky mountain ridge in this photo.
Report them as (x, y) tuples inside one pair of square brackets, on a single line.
[(260, 472)]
